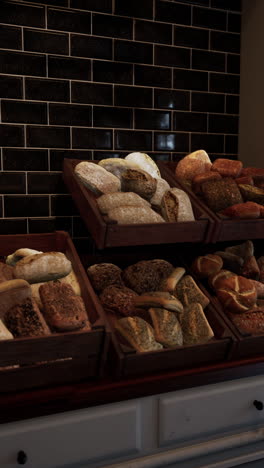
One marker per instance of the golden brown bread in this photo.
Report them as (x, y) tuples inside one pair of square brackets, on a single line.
[(138, 333), (195, 326), (167, 329), (207, 265), (192, 165), (158, 300), (216, 279), (169, 284), (188, 292), (227, 167), (237, 294)]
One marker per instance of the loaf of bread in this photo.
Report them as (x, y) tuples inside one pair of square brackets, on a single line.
[(248, 210), (231, 261), (260, 262), (19, 254), (118, 299), (109, 201), (135, 215), (43, 267), (102, 275), (169, 283), (140, 182), (259, 289), (5, 334), (227, 167), (167, 329), (138, 333), (96, 178), (161, 189), (13, 292), (195, 326), (244, 250), (192, 165), (188, 292), (144, 162), (252, 193), (237, 294), (25, 319), (207, 265), (176, 206), (117, 166), (215, 280), (220, 194), (252, 171), (250, 322), (248, 180), (200, 179), (146, 275), (159, 301), (250, 268), (6, 272)]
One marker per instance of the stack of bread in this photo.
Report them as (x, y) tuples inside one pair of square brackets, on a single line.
[(153, 305), (237, 278), (226, 187), (39, 294), (131, 191)]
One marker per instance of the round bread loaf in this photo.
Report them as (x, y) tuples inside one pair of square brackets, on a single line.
[(103, 275), (237, 294), (216, 279), (43, 267), (144, 162), (118, 299), (141, 277), (207, 265), (192, 165)]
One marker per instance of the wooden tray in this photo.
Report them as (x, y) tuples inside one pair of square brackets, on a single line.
[(111, 234), (61, 357), (224, 229), (126, 362)]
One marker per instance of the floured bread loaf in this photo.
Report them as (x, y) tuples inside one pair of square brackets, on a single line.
[(167, 329), (6, 272), (140, 182), (135, 215), (96, 178), (5, 334), (19, 254), (138, 333), (188, 292), (192, 165), (161, 189), (43, 267), (176, 206), (13, 292), (109, 201), (195, 326), (117, 166), (145, 162)]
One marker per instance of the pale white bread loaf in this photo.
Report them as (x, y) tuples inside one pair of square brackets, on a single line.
[(117, 166), (13, 292), (161, 189), (195, 326), (96, 178), (109, 201), (145, 163), (176, 206), (47, 266), (138, 333), (19, 254), (192, 165), (4, 332), (135, 215), (70, 279)]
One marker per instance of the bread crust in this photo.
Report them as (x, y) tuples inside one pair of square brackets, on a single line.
[(47, 266), (96, 178)]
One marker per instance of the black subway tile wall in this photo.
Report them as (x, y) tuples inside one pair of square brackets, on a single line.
[(93, 79)]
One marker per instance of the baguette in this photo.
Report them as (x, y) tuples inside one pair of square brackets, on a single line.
[(47, 266)]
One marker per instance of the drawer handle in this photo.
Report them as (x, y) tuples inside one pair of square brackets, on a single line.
[(258, 404), (22, 457)]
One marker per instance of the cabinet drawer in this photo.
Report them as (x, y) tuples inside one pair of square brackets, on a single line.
[(210, 410), (53, 441)]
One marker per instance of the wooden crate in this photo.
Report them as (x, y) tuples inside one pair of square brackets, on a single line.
[(61, 357), (126, 362), (108, 233), (224, 229)]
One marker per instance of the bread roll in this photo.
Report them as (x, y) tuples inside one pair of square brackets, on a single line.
[(118, 299), (43, 267), (253, 194), (144, 162), (195, 326), (161, 189), (192, 165), (96, 178), (248, 180), (188, 292), (146, 275), (169, 284), (244, 250), (167, 329), (220, 194), (227, 167), (20, 254), (250, 268), (6, 272), (259, 289), (109, 201), (250, 322), (117, 166), (135, 215), (25, 319), (237, 294), (252, 171), (138, 333), (200, 179), (215, 280), (158, 300), (207, 265), (13, 292), (248, 210), (140, 182), (5, 334), (102, 275), (176, 206), (231, 261)]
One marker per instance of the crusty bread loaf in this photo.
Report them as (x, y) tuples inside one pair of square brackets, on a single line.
[(176, 206), (135, 215), (25, 319), (146, 275), (138, 333), (259, 289), (119, 299), (19, 254), (200, 179), (13, 292), (103, 274), (207, 265), (216, 279), (220, 194), (158, 300), (250, 322), (192, 165), (144, 162), (169, 283), (248, 180), (227, 167), (248, 210), (188, 292), (6, 272), (195, 326), (140, 182), (109, 201), (43, 267), (250, 268), (167, 329), (117, 166), (161, 189), (252, 193), (237, 294), (96, 178), (5, 334)]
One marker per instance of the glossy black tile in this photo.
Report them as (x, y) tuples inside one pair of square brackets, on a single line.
[(152, 120), (48, 137), (60, 223), (11, 135), (70, 114), (25, 159), (232, 104), (12, 182), (24, 112), (63, 205), (191, 37), (233, 63), (234, 5), (133, 141), (234, 22), (69, 20), (208, 18), (170, 99), (136, 52), (173, 12), (197, 2), (18, 63), (133, 96), (189, 122), (47, 90), (10, 37), (104, 6), (47, 42), (160, 156), (49, 182), (188, 79), (92, 138), (1, 207), (72, 68), (211, 143), (112, 117), (171, 142), (98, 155), (112, 26), (57, 157), (21, 206), (113, 72), (91, 93), (208, 102), (136, 9), (153, 32), (231, 144), (153, 76), (205, 60), (224, 83), (226, 42), (11, 87), (223, 123), (172, 56), (13, 226), (24, 15), (61, 3), (95, 47)]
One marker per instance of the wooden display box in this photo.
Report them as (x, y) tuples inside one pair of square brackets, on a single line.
[(126, 362), (108, 233), (61, 357), (224, 229)]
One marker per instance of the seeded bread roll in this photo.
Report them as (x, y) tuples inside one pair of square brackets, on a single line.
[(138, 333), (102, 275), (118, 299), (140, 182), (13, 292), (96, 178), (200, 179), (227, 167), (176, 206), (5, 334), (20, 254), (135, 215), (47, 266), (146, 275), (167, 329), (207, 265), (220, 194), (188, 292), (144, 162), (161, 189), (25, 319), (6, 272), (195, 326), (110, 201)]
